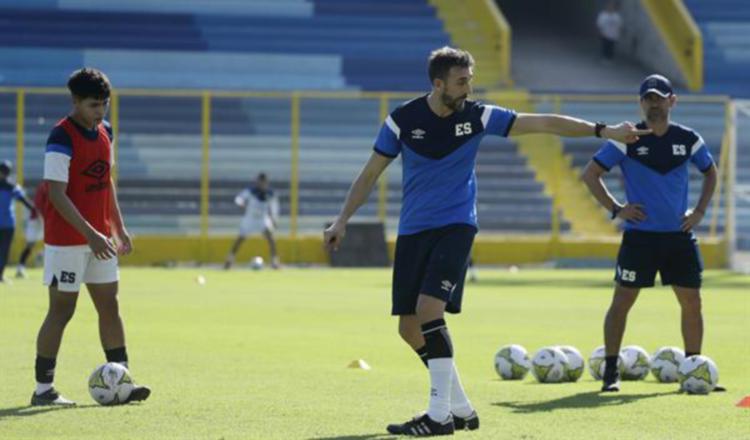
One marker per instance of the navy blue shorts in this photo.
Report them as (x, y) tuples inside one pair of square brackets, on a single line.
[(431, 262), (675, 255)]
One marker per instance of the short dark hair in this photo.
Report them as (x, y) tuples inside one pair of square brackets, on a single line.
[(441, 60), (6, 166), (262, 176), (89, 83)]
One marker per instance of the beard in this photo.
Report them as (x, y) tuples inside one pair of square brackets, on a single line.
[(455, 104), (656, 115)]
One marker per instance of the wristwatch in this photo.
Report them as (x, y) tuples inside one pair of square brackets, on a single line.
[(598, 128), (615, 210)]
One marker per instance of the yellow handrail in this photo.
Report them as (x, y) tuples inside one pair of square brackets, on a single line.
[(294, 178), (681, 35), (205, 169)]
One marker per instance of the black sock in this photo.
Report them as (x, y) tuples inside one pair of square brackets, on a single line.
[(610, 363), (690, 353), (119, 355), (437, 340), (24, 256), (45, 369), (422, 353)]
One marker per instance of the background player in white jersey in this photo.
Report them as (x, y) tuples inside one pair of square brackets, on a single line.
[(261, 216), (438, 136)]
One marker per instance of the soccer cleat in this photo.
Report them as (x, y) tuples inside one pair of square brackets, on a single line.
[(466, 423), (50, 398), (423, 426), (611, 382), (719, 389), (21, 272), (139, 393)]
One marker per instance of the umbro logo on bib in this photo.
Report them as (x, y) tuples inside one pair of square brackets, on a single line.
[(418, 133), (642, 151)]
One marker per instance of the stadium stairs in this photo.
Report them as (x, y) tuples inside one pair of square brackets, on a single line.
[(725, 25), (479, 27)]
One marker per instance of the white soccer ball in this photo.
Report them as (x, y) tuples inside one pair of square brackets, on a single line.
[(549, 364), (574, 367), (110, 384), (597, 363), (665, 362), (698, 375), (636, 363), (512, 362), (256, 263)]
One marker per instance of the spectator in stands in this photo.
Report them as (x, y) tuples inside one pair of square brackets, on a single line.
[(33, 228), (9, 191), (609, 23), (261, 216)]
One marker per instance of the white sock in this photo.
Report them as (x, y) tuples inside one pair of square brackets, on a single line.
[(460, 405), (441, 373), (42, 388)]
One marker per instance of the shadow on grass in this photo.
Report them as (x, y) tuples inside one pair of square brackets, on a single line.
[(556, 282), (590, 399), (356, 437), (28, 410)]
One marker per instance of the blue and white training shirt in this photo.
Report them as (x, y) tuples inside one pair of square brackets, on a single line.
[(438, 157), (656, 173)]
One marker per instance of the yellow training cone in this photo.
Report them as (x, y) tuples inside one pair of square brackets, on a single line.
[(359, 364)]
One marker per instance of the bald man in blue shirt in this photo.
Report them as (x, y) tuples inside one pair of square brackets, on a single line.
[(658, 225)]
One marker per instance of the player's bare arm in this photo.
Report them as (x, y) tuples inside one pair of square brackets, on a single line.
[(592, 177), (124, 241), (27, 203), (529, 123), (694, 217), (101, 246), (357, 195)]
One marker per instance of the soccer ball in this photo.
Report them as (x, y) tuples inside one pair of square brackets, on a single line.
[(549, 365), (665, 362), (698, 375), (256, 263), (512, 362), (574, 367), (636, 363), (110, 384), (597, 364)]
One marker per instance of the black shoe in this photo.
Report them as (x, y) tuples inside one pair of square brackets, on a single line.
[(138, 394), (719, 389), (50, 398), (611, 382), (423, 426), (470, 423)]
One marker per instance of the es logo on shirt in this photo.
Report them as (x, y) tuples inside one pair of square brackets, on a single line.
[(463, 129), (679, 150)]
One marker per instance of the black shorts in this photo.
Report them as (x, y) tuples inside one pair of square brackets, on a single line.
[(675, 255), (432, 262)]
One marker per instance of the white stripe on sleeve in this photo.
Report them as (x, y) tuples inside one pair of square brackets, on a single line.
[(56, 166), (392, 125)]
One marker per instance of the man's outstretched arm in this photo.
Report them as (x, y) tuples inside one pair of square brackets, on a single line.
[(358, 193), (529, 123)]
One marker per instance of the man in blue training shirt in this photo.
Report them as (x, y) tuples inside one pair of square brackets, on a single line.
[(9, 192), (438, 135), (658, 225)]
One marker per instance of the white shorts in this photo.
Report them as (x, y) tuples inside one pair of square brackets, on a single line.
[(33, 230), (250, 226), (73, 265)]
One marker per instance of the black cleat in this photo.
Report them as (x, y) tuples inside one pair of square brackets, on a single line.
[(469, 423), (611, 382), (138, 394), (50, 398), (719, 389), (423, 426)]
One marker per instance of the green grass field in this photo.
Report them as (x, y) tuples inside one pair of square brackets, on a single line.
[(263, 355)]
